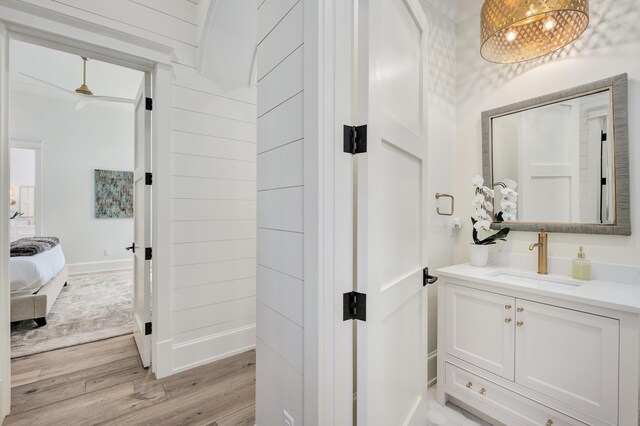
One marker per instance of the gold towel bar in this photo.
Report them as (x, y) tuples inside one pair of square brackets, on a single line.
[(438, 196)]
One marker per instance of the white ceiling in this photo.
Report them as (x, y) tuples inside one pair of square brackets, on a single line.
[(458, 10), (228, 44), (64, 69)]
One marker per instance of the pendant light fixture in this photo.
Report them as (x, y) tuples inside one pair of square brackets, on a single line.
[(521, 30)]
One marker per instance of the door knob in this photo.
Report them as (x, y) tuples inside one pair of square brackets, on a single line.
[(519, 323), (507, 306), (520, 309), (507, 320), (132, 248), (483, 391), (469, 384)]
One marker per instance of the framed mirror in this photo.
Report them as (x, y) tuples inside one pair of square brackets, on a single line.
[(561, 161), (27, 201)]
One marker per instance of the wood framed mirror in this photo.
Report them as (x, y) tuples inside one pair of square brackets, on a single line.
[(561, 161)]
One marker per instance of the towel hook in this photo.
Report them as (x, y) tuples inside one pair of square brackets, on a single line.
[(438, 196)]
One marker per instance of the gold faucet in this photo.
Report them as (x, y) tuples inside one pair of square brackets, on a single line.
[(542, 251)]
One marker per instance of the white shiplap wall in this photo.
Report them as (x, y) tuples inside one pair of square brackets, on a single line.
[(213, 218), (280, 330), (213, 180)]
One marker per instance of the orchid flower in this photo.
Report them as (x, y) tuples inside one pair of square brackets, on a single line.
[(478, 201), (477, 181), (511, 184), (482, 225)]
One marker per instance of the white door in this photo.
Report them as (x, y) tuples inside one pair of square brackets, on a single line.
[(480, 329), (141, 226), (570, 356), (549, 164), (391, 200)]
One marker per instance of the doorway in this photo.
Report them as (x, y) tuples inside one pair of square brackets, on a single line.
[(78, 278)]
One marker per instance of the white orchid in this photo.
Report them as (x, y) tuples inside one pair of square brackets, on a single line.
[(507, 204), (480, 214), (477, 181), (482, 225), (511, 184), (478, 201), (482, 205), (489, 192), (508, 192)]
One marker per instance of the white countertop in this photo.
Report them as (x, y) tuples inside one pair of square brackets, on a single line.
[(605, 294)]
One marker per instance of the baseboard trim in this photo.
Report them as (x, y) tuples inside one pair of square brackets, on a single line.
[(100, 266), (161, 358), (198, 352)]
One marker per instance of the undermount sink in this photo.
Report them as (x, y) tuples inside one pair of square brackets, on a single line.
[(531, 278)]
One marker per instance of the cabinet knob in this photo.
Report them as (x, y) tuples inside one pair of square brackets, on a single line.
[(549, 422), (507, 320), (469, 384), (519, 323), (507, 306), (520, 309), (483, 391)]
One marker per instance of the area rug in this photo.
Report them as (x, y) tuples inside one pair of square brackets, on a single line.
[(91, 307)]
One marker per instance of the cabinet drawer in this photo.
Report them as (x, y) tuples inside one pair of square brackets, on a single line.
[(487, 393)]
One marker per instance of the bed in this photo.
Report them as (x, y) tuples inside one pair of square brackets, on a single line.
[(36, 282)]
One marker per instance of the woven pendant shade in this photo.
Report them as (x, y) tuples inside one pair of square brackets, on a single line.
[(521, 30)]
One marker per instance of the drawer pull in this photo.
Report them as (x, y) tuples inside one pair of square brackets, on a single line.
[(519, 323), (507, 320), (469, 385), (483, 391), (507, 306), (549, 422), (521, 309)]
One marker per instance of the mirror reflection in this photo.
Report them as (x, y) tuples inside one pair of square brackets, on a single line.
[(557, 161), (27, 201)]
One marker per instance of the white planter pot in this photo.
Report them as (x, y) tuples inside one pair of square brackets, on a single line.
[(479, 255)]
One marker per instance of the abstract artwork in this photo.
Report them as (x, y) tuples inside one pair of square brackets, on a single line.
[(114, 194)]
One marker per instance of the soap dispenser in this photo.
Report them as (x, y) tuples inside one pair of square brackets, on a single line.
[(581, 266)]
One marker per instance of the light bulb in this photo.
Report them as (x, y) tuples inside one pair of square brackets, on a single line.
[(549, 24), (511, 35)]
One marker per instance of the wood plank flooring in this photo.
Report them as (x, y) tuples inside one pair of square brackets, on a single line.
[(103, 383)]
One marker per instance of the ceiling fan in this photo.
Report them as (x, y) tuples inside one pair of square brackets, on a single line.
[(83, 94)]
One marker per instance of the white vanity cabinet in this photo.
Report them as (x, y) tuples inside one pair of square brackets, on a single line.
[(528, 359)]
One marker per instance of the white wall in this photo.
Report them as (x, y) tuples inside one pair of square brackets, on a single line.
[(610, 46), (76, 142), (280, 332), (441, 115), (212, 182)]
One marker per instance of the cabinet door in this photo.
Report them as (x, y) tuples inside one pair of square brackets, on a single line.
[(480, 329), (570, 356)]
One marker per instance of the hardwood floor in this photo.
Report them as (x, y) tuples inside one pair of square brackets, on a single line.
[(103, 383)]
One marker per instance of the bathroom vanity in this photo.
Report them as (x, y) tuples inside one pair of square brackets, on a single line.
[(529, 349)]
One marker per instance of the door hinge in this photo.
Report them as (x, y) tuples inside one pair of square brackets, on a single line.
[(148, 104), (147, 328), (426, 278), (354, 306), (603, 181), (148, 178), (355, 139), (147, 253), (604, 136)]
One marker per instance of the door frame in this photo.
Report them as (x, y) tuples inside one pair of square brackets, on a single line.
[(65, 33)]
